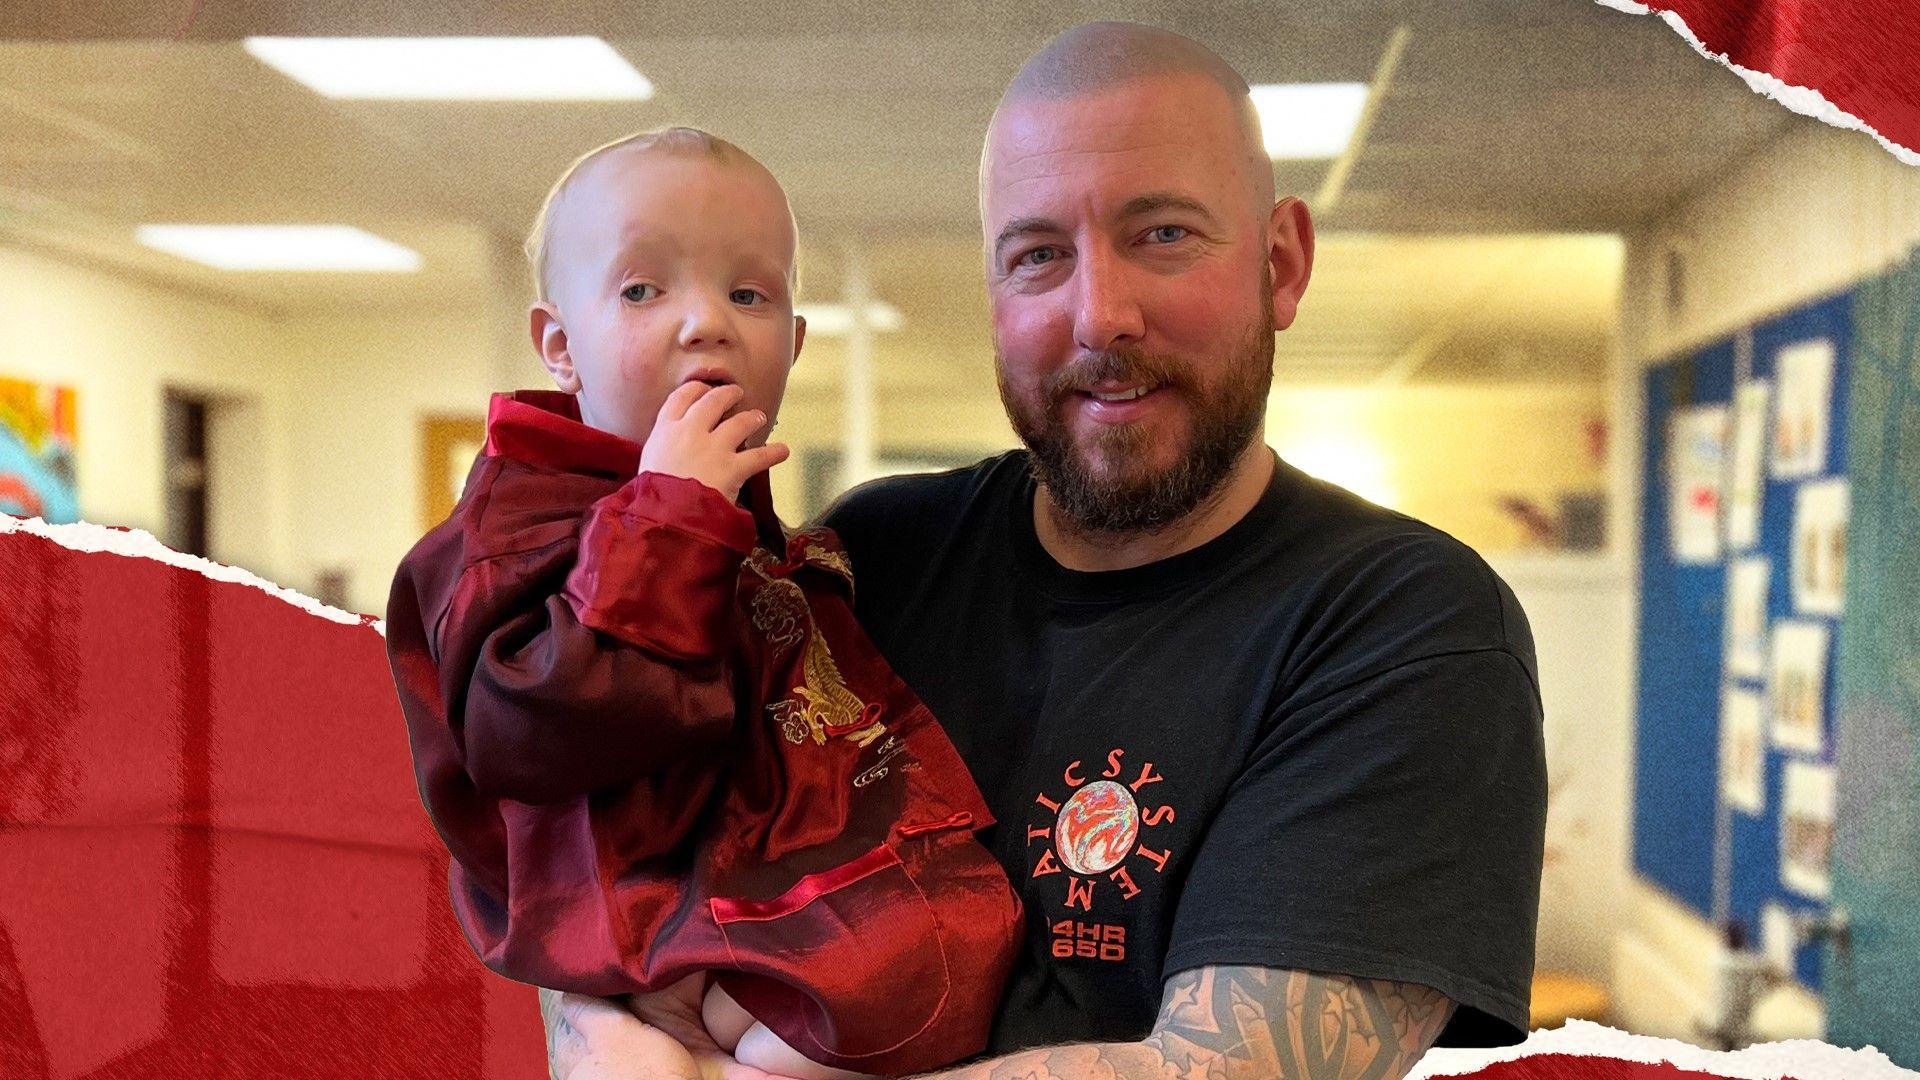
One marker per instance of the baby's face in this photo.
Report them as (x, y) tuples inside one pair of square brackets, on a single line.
[(667, 267)]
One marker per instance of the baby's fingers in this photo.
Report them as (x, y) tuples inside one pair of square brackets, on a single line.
[(753, 462), (683, 396), (735, 429), (706, 412)]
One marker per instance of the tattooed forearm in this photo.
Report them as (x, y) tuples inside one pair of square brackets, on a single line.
[(1248, 1023)]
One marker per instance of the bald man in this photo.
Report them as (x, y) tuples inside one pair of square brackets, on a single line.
[(1266, 758)]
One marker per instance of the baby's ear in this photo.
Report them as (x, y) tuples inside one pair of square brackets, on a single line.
[(799, 335), (550, 341)]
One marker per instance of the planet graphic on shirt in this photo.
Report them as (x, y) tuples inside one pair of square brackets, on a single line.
[(1097, 827)]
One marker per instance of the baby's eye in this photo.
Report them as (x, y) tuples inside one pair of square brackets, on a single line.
[(637, 293), (746, 297), (1167, 234)]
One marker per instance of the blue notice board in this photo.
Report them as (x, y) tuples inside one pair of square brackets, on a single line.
[(1682, 662)]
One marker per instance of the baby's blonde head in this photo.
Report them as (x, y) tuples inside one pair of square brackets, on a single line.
[(680, 141)]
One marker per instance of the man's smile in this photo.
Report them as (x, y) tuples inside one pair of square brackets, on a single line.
[(1113, 403)]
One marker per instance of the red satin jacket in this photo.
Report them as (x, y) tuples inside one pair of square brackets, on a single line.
[(656, 742)]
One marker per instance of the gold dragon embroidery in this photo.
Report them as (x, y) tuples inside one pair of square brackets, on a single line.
[(822, 706)]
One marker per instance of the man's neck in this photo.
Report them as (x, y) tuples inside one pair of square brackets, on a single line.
[(1105, 551)]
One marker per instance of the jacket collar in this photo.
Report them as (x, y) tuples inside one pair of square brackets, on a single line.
[(543, 428)]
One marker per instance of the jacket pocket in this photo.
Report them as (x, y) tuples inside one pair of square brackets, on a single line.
[(862, 940)]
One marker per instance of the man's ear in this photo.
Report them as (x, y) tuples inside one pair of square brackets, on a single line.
[(1289, 257), (550, 341), (799, 335)]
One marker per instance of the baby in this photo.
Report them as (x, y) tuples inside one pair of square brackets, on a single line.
[(642, 716)]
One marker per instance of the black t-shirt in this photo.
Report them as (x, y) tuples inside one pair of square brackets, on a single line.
[(1313, 742)]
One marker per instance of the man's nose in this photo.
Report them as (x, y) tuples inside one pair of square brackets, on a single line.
[(1107, 308), (705, 323)]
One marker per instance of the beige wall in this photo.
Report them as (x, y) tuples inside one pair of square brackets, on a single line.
[(1812, 213), (120, 343), (1447, 454), (358, 386)]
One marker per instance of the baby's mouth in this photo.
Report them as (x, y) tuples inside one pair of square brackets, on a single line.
[(711, 378)]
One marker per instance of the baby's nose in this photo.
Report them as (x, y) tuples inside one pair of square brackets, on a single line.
[(705, 325)]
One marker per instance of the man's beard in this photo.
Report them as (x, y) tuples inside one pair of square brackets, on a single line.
[(1125, 496)]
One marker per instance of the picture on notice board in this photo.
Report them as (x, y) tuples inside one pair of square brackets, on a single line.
[(1820, 547), (1805, 377), (1749, 458), (1746, 642), (1743, 751), (1806, 828), (1697, 474), (1797, 688), (37, 448)]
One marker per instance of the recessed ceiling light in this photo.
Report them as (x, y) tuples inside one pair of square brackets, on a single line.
[(456, 69), (1300, 121), (836, 320), (281, 247)]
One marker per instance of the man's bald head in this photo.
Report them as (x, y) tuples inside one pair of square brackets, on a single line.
[(1098, 57)]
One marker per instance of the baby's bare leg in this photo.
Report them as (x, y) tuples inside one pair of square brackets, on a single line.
[(764, 1050), (726, 1021)]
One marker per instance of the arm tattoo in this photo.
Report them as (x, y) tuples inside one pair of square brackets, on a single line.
[(1229, 1022), (1252, 1023), (564, 1041)]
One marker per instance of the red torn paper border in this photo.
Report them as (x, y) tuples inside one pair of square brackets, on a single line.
[(213, 860), (1851, 65)]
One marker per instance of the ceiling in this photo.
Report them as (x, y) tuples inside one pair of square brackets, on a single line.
[(1503, 121)]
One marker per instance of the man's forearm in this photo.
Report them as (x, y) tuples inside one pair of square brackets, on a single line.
[(1079, 1061), (1229, 1023)]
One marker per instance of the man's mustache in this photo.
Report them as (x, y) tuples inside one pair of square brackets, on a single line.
[(1122, 365)]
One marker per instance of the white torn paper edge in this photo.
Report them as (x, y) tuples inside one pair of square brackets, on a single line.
[(140, 544), (1802, 1059), (1804, 100)]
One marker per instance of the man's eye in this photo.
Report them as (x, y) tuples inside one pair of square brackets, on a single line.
[(746, 297), (637, 293), (1167, 234), (1038, 257)]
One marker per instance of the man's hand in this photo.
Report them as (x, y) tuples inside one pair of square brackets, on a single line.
[(693, 437), (591, 1038), (656, 1036)]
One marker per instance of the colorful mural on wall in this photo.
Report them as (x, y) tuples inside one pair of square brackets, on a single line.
[(38, 435)]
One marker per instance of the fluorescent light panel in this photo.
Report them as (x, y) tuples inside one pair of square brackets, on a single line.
[(281, 247), (1304, 121), (836, 320), (456, 69)]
